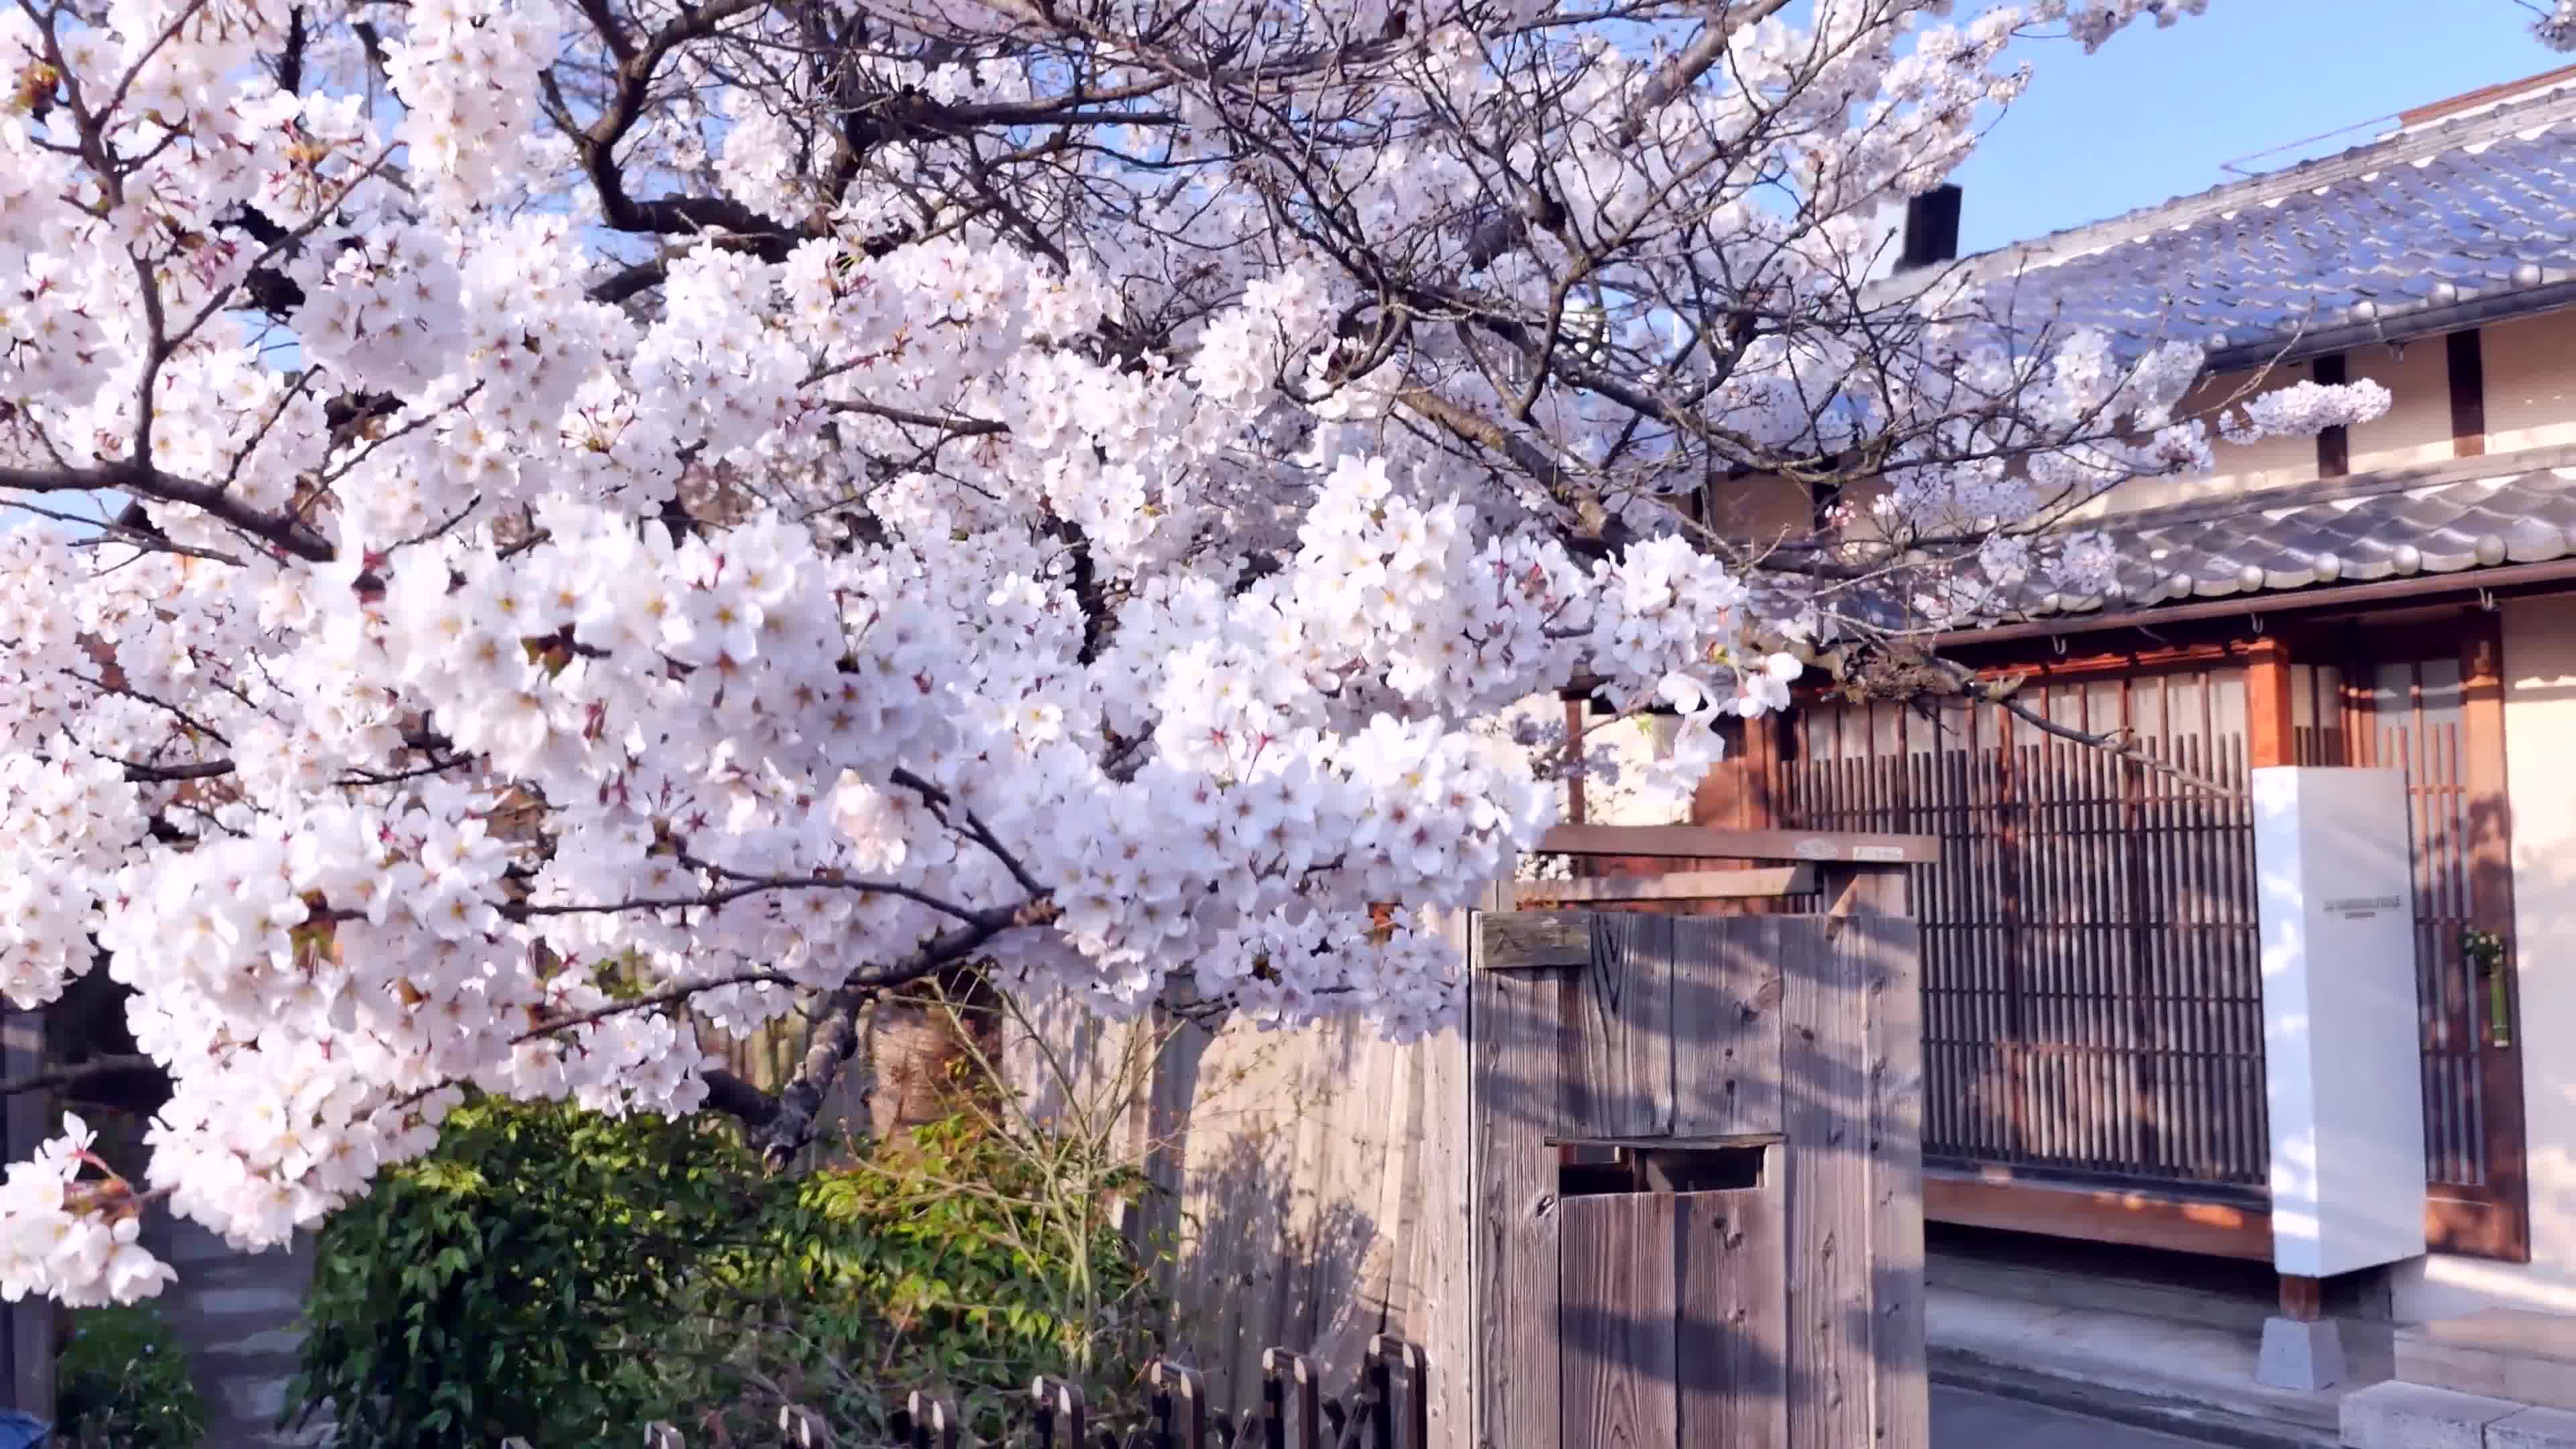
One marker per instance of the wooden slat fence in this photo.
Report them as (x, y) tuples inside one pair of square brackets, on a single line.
[(1287, 1169), (2092, 982), (1387, 1408)]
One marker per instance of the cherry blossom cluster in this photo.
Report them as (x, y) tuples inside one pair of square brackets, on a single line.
[(70, 1238), (648, 518), (67, 818), (2556, 26)]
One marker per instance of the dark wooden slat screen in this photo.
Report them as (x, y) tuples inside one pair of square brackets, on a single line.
[(2410, 714), (2092, 988)]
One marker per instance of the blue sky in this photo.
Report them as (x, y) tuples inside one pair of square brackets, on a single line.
[(2156, 113)]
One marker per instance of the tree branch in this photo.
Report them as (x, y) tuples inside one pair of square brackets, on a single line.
[(279, 531), (81, 1073), (2003, 693), (844, 1018)]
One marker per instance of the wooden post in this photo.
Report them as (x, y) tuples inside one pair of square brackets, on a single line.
[(2334, 445), (1574, 801), (2271, 717), (31, 1319), (2490, 868), (2467, 362), (2303, 1300), (1873, 898), (1738, 793)]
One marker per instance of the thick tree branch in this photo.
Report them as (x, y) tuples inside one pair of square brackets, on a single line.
[(2119, 744), (844, 1019), (283, 532), (94, 1072)]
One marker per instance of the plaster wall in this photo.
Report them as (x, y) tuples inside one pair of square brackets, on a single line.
[(2540, 780)]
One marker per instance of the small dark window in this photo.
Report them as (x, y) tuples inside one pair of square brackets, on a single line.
[(1591, 1171), (1598, 1179), (1703, 1169)]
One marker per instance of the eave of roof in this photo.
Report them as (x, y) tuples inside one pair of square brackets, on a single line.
[(2467, 219), (2461, 524)]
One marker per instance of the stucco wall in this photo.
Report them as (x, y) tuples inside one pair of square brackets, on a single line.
[(2272, 463), (2530, 389), (2417, 426), (2540, 773)]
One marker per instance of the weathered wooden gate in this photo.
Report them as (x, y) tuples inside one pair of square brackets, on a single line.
[(1695, 1170)]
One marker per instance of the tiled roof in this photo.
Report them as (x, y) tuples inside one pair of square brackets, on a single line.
[(2476, 206), (2343, 531)]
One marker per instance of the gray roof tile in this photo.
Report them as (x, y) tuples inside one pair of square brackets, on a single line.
[(2473, 206), (2297, 539)]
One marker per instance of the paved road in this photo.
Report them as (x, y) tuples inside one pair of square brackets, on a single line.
[(1965, 1420)]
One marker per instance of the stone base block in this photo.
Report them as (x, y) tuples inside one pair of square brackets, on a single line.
[(2306, 1356)]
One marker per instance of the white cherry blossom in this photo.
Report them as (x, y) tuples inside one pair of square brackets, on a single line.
[(616, 522)]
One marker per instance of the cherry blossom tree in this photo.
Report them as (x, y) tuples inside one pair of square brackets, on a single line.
[(550, 533)]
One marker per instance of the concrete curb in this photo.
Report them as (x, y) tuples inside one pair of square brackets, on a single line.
[(2176, 1416)]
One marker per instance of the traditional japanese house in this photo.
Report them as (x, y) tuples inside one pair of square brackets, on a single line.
[(2399, 593)]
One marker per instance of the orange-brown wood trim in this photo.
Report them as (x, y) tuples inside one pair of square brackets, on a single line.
[(2334, 445), (2500, 1231), (2271, 728), (1739, 794), (2098, 1215), (2302, 1299), (2043, 667), (2468, 394), (1856, 847), (1679, 885), (2490, 861), (2483, 95), (1574, 801)]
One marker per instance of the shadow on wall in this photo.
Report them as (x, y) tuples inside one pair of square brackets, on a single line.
[(1294, 1184), (1735, 1352), (1270, 1220), (2544, 971)]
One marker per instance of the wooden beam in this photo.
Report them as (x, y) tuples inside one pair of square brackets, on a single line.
[(2302, 1299), (2495, 1004), (2271, 718), (1699, 842), (1529, 940), (1678, 1144), (1679, 885), (2099, 1215), (2483, 95), (2046, 670), (2334, 445), (1575, 806), (1880, 913), (1737, 793), (2468, 394)]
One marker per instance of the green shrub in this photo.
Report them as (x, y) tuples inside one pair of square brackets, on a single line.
[(503, 1284), (122, 1381), (961, 1256), (567, 1278)]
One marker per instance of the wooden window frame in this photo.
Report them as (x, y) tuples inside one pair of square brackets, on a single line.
[(2495, 1223)]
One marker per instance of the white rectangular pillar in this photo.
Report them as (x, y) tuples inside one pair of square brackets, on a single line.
[(2342, 1048)]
